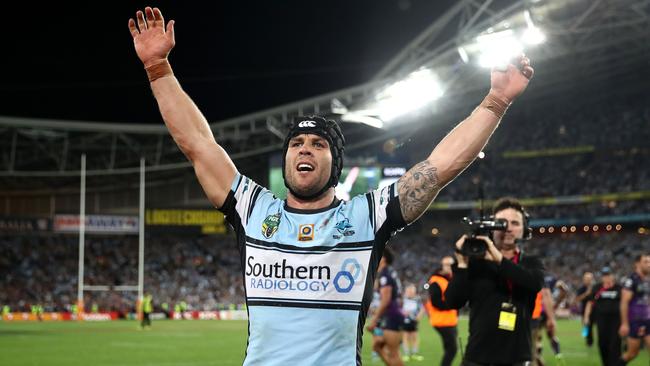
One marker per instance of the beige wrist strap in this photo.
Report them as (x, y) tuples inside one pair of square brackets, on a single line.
[(159, 70), (495, 105)]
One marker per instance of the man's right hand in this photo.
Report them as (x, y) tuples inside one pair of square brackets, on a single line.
[(624, 330), (461, 259), (152, 42)]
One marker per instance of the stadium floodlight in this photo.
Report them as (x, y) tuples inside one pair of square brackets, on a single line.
[(532, 35), (498, 48), (463, 54), (360, 117), (499, 44), (418, 89)]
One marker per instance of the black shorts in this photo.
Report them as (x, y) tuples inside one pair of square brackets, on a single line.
[(410, 325), (639, 328), (392, 322)]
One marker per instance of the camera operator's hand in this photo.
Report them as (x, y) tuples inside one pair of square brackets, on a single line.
[(492, 254), (460, 259)]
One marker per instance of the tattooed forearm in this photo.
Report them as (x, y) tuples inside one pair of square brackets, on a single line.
[(417, 188)]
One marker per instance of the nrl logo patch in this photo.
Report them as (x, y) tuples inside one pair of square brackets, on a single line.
[(270, 225)]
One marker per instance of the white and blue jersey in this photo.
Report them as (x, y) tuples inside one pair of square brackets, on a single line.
[(411, 307), (308, 274)]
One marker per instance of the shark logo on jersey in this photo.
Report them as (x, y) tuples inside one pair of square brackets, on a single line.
[(270, 225), (344, 228)]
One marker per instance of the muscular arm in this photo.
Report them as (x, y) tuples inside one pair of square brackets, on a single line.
[(549, 307), (192, 134), (626, 297), (587, 314), (547, 300), (385, 295), (421, 184), (153, 41)]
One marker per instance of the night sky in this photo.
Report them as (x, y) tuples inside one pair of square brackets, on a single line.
[(233, 58)]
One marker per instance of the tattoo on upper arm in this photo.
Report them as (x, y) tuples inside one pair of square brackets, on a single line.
[(417, 188)]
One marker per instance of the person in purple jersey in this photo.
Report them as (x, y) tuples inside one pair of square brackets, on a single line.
[(388, 315), (635, 309)]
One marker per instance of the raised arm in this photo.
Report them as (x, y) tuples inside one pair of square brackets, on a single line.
[(187, 125), (420, 185)]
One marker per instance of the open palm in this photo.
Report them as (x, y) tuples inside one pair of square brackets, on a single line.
[(152, 40)]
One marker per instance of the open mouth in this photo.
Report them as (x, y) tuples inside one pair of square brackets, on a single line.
[(305, 167)]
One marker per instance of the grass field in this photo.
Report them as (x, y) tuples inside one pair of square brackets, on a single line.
[(193, 343)]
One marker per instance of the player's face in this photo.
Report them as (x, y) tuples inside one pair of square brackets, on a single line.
[(446, 264), (645, 265), (409, 291), (308, 164), (587, 278), (608, 280), (506, 239)]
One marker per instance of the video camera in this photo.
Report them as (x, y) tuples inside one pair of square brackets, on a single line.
[(474, 247)]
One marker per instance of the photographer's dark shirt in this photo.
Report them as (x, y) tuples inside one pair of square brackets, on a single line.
[(487, 286)]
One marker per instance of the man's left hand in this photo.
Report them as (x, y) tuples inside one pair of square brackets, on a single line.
[(492, 254), (509, 84)]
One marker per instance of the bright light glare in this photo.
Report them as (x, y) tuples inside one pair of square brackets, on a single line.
[(344, 188), (463, 54), (359, 117), (418, 89), (497, 49), (533, 36)]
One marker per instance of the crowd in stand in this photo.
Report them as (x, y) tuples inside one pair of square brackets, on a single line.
[(205, 271), (573, 149), (202, 271), (565, 256)]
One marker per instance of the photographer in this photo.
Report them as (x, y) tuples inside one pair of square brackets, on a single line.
[(501, 286)]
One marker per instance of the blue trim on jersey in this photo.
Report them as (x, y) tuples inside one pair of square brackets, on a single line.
[(365, 245), (300, 303)]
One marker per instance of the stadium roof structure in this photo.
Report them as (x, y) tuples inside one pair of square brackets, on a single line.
[(590, 43)]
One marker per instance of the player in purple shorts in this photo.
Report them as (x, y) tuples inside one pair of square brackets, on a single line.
[(635, 308), (388, 315)]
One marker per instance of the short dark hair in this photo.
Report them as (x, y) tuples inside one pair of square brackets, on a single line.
[(508, 202), (638, 258), (388, 255)]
